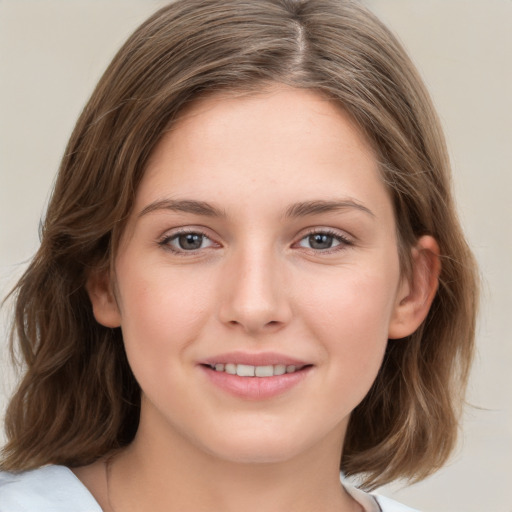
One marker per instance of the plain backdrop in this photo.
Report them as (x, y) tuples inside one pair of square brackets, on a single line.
[(52, 52)]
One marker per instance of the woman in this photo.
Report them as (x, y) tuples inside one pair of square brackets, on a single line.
[(251, 270)]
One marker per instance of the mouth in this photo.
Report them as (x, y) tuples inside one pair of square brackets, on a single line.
[(248, 370), (255, 376)]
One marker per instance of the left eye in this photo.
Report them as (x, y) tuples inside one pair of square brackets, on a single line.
[(188, 242), (320, 241)]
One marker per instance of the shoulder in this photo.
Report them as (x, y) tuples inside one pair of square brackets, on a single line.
[(389, 505), (47, 489), (375, 502)]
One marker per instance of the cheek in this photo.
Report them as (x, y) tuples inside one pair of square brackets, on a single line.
[(351, 320), (151, 298), (162, 313), (351, 302)]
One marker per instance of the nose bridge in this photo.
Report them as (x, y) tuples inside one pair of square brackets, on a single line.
[(255, 297)]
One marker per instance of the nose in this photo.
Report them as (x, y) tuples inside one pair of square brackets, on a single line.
[(255, 298)]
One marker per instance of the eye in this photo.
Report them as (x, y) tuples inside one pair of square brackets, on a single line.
[(187, 241), (323, 241)]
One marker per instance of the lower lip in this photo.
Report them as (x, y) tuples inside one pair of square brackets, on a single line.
[(255, 388)]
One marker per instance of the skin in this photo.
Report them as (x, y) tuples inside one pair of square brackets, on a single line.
[(257, 282)]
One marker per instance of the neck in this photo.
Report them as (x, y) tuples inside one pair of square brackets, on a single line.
[(170, 473)]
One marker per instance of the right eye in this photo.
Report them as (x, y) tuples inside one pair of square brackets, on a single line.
[(320, 241), (188, 241)]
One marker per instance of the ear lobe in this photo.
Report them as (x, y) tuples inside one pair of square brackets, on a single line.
[(104, 304), (417, 292)]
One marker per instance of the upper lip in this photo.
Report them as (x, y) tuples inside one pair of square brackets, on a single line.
[(253, 359)]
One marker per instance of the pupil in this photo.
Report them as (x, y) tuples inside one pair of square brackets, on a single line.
[(190, 241), (320, 241)]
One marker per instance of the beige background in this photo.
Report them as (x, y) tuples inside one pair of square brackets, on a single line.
[(53, 51)]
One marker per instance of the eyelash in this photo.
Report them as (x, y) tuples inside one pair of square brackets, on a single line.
[(343, 241), (166, 240)]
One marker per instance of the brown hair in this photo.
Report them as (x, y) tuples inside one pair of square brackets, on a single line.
[(78, 399)]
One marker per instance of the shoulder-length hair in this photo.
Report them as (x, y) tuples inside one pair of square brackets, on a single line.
[(78, 399)]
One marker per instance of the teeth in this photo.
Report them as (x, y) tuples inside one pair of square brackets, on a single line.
[(247, 370), (279, 369), (230, 368), (264, 371)]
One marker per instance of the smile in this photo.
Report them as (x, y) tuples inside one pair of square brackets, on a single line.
[(269, 376), (247, 370)]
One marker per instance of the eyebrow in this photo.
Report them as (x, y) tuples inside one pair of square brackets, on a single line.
[(185, 206), (301, 209), (317, 207)]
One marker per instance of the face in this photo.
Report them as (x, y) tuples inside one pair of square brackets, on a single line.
[(257, 281)]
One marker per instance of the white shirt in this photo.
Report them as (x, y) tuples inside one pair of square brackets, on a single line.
[(57, 489)]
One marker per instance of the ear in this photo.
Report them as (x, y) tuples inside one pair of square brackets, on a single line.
[(416, 293), (104, 304)]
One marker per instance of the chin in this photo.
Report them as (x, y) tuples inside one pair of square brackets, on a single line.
[(260, 446), (258, 453)]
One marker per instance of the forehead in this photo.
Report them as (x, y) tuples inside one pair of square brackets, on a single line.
[(277, 144)]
